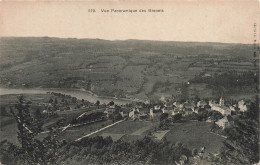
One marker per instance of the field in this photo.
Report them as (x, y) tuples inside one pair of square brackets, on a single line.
[(131, 68), (195, 134), (191, 133), (74, 133), (128, 130), (9, 133)]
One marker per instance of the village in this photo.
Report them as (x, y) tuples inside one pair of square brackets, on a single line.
[(176, 121), (189, 107), (80, 113)]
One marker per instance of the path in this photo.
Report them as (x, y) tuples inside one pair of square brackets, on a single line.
[(92, 133)]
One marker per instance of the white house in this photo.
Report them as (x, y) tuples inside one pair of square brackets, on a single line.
[(157, 107), (242, 106)]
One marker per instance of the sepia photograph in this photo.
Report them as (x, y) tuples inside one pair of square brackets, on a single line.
[(117, 82)]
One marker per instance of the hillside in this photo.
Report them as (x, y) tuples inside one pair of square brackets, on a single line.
[(130, 68)]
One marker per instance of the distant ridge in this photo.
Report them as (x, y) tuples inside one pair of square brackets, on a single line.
[(127, 40)]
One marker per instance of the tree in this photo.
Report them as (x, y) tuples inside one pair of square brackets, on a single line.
[(38, 114), (195, 152), (24, 124), (38, 120), (31, 150), (241, 145), (51, 100), (117, 117), (164, 116), (98, 103), (177, 117), (56, 101), (3, 111), (111, 103), (74, 100)]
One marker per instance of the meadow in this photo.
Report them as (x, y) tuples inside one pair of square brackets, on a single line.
[(129, 130), (194, 134)]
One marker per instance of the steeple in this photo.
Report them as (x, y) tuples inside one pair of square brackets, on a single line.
[(221, 101)]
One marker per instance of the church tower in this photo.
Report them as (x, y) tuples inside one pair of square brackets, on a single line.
[(221, 101)]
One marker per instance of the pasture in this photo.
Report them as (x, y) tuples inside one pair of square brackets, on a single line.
[(129, 130), (195, 134)]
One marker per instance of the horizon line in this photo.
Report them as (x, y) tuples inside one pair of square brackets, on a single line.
[(129, 39)]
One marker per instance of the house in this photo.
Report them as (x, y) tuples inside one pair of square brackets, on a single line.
[(178, 105), (242, 106), (134, 114), (124, 112), (226, 121), (155, 113), (210, 120), (168, 110), (111, 109), (199, 110), (187, 112), (143, 116), (207, 107), (168, 104), (232, 107), (157, 107), (145, 110), (222, 109), (189, 105), (175, 111), (202, 104)]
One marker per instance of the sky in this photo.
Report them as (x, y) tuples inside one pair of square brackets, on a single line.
[(199, 20)]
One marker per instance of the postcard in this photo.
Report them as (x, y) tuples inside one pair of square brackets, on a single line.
[(129, 82)]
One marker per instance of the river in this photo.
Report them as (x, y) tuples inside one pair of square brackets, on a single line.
[(80, 94)]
